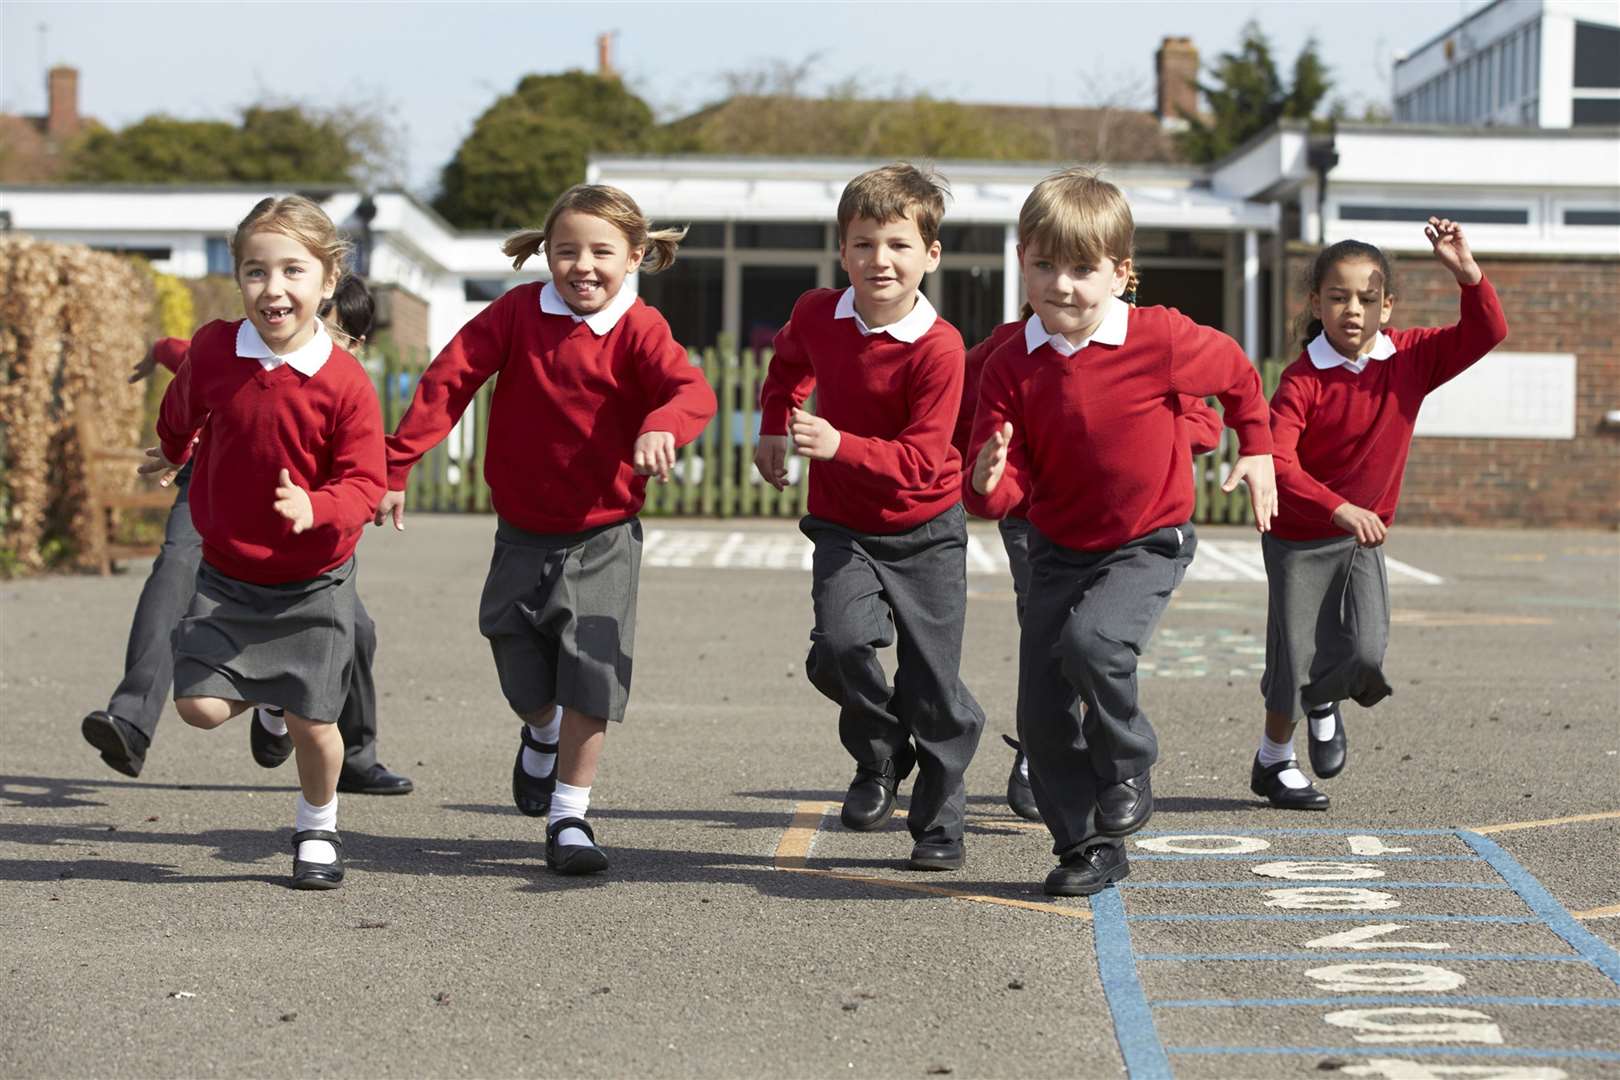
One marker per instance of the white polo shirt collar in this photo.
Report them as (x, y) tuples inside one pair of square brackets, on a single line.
[(911, 327), (1115, 323), (1324, 356), (307, 360), (600, 322)]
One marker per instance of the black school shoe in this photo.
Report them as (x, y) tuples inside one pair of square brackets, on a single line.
[(122, 745), (1327, 755), (1124, 807), (315, 875), (1020, 796), (268, 750), (1264, 783), (532, 794), (938, 854), (870, 798), (1083, 872), (377, 780), (573, 859)]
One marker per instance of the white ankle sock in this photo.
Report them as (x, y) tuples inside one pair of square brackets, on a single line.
[(536, 763), (569, 801), (272, 719), (1273, 753), (316, 817), (1322, 724)]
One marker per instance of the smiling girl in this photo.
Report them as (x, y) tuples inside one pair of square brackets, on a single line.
[(1342, 421), (594, 396), (282, 486)]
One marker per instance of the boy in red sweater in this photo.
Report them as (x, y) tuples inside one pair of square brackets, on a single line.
[(890, 564), (1080, 415), (1342, 421)]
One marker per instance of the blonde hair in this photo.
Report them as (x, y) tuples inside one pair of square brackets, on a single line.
[(300, 219), (612, 206), (1075, 217), (893, 193)]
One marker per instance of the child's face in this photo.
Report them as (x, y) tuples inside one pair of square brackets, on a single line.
[(1352, 304), (1071, 299), (885, 261), (283, 284), (589, 260)]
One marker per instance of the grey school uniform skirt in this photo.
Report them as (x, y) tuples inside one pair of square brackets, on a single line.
[(1327, 624), (287, 645), (560, 615)]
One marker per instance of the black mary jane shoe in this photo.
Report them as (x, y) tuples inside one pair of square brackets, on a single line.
[(1327, 755), (377, 780), (1125, 806), (870, 798), (1020, 796), (1264, 782), (938, 854), (573, 859), (1088, 871), (532, 794), (268, 750), (121, 743), (315, 875)]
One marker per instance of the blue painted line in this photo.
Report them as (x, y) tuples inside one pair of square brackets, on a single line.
[(1266, 856), (1116, 968), (1421, 954), (1404, 1051), (1394, 999), (1280, 883), (1386, 917), (1533, 893), (1302, 832)]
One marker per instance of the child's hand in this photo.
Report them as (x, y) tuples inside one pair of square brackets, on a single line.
[(992, 461), (1451, 248), (1260, 474), (770, 458), (654, 454), (1367, 527), (393, 503), (813, 437), (160, 466), (145, 366), (292, 503)]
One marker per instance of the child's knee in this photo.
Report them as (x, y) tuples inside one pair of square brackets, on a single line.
[(1087, 653), (200, 712)]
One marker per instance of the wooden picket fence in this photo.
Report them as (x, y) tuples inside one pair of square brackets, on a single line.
[(715, 476)]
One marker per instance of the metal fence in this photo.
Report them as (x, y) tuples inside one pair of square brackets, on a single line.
[(715, 476)]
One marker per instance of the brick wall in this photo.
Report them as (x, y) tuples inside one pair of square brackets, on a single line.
[(403, 317), (1553, 304)]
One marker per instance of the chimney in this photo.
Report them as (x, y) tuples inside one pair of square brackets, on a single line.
[(1177, 67), (62, 93), (604, 56)]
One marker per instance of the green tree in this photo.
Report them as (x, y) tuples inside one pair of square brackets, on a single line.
[(1248, 96), (532, 144), (281, 144)]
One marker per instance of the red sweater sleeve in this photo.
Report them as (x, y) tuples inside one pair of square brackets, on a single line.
[(1200, 425), (475, 354), (684, 403), (1291, 408), (1447, 351), (788, 381), (170, 352), (972, 369), (913, 458), (998, 405), (348, 499), (1204, 362)]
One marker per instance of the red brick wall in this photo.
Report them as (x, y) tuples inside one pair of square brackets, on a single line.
[(1553, 304), (403, 316)]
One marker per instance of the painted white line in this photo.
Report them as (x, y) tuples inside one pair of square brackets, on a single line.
[(980, 556), (733, 541), (1412, 571), (1241, 567)]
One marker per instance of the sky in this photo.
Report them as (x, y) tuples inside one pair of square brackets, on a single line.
[(435, 66)]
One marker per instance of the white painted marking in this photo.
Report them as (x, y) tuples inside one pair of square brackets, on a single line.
[(651, 541), (1387, 1025), (1204, 845), (728, 549), (1373, 845), (1387, 977), (1324, 898), (1403, 1069), (1412, 571), (979, 557), (1303, 870), (807, 557), (1244, 570), (1365, 937)]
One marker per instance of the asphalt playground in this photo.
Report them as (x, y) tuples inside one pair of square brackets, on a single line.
[(1455, 913)]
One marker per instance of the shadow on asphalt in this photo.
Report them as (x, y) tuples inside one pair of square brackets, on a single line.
[(48, 792)]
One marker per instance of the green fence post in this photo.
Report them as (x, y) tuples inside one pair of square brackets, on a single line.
[(748, 488), (711, 457)]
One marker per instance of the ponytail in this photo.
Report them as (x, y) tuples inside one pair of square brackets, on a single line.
[(524, 245), (660, 249)]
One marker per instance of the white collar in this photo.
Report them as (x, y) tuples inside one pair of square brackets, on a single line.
[(1111, 331), (911, 327), (1323, 355), (306, 360), (600, 322)]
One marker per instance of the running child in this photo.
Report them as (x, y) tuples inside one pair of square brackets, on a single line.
[(289, 464), (1341, 422), (1080, 414), (594, 396)]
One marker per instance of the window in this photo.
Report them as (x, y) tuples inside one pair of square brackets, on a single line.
[(1592, 217), (1534, 73), (971, 300), (1468, 215), (150, 254), (1597, 56), (1487, 84), (782, 234), (972, 239), (218, 250), (689, 296), (1595, 112), (482, 289), (704, 234), (1510, 71)]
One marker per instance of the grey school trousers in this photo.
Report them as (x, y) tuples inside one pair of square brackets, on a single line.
[(1090, 615), (149, 658), (908, 590)]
